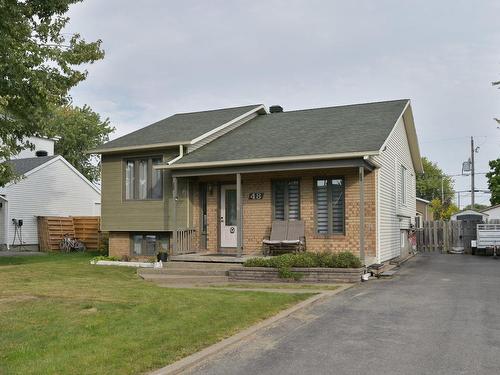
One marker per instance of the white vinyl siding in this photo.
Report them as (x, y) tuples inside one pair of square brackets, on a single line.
[(392, 214), (54, 190), (3, 220)]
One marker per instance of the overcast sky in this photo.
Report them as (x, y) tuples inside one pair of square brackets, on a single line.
[(164, 57)]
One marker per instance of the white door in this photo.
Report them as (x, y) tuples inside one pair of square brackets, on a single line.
[(228, 216)]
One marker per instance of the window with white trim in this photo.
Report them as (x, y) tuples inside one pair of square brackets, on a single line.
[(142, 181)]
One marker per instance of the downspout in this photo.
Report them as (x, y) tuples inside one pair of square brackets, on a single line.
[(181, 154), (174, 202)]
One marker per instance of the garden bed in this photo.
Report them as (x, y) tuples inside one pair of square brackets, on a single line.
[(307, 267)]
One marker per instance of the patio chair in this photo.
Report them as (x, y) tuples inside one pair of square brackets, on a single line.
[(295, 235), (286, 236)]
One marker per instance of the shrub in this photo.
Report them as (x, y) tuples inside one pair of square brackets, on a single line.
[(284, 263), (346, 259), (103, 257), (256, 262)]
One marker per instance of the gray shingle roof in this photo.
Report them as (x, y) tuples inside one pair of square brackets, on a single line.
[(22, 166), (332, 130), (180, 127)]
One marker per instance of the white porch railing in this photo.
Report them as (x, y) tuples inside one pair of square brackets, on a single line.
[(184, 241)]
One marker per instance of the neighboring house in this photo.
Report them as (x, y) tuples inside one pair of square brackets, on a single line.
[(215, 180), (48, 186), (469, 215), (424, 212), (493, 212)]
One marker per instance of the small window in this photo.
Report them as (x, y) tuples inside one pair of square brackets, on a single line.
[(157, 180), (142, 181), (230, 203), (330, 205), (286, 199), (403, 185), (129, 179), (149, 244)]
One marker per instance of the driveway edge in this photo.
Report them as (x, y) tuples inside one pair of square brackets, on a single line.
[(204, 354)]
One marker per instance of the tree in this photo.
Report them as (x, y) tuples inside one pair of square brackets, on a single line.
[(429, 183), (443, 211), (79, 130), (38, 66), (493, 177)]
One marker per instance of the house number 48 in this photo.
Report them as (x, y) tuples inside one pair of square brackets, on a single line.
[(255, 195)]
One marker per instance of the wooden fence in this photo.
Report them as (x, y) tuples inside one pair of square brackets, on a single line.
[(51, 230), (447, 236)]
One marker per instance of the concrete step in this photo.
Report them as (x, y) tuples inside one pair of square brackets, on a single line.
[(183, 279), (200, 265), (185, 271)]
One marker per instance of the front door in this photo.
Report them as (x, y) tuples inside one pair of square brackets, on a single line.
[(228, 216)]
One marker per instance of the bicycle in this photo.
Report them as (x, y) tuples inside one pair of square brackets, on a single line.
[(69, 243)]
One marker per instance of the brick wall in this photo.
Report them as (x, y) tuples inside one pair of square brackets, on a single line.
[(257, 214), (119, 244)]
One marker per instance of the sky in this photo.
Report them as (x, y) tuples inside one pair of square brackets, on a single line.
[(166, 57)]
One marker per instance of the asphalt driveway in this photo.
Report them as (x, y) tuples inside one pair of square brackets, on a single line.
[(439, 315)]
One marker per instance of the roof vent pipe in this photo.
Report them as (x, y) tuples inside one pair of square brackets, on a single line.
[(275, 109)]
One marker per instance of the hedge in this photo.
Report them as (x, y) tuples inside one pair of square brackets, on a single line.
[(344, 259)]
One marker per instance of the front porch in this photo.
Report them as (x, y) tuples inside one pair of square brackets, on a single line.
[(232, 208), (209, 257)]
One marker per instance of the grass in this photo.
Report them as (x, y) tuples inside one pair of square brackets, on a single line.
[(61, 315), (276, 286)]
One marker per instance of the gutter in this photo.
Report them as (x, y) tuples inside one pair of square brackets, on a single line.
[(370, 160), (284, 159), (135, 148)]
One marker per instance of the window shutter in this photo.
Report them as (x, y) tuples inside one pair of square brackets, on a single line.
[(279, 200), (322, 206), (337, 188), (293, 200)]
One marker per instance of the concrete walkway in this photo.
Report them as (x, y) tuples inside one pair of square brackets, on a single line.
[(20, 253), (439, 315)]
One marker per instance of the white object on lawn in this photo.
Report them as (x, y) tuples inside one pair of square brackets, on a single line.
[(124, 264)]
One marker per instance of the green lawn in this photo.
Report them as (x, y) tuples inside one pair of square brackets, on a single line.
[(61, 315)]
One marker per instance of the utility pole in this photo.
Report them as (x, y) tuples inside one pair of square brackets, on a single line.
[(472, 152), (442, 189)]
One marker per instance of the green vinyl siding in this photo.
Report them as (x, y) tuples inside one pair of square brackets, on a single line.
[(119, 214)]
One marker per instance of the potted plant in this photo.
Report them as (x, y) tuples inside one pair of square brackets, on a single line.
[(162, 256)]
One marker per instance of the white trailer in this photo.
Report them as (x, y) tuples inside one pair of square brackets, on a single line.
[(488, 237)]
